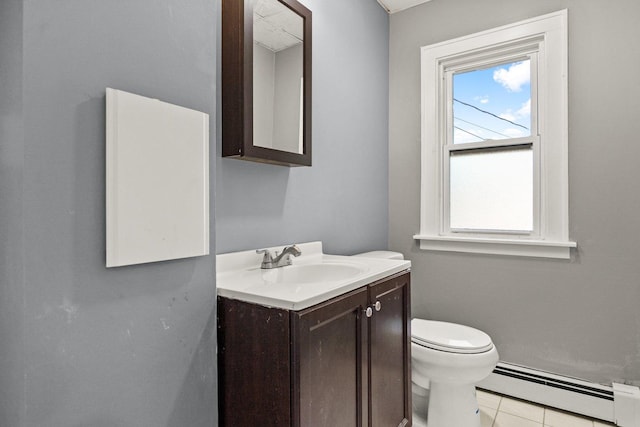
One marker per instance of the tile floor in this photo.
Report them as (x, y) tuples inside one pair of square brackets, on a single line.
[(499, 411)]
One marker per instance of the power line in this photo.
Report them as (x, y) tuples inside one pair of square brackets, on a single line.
[(472, 134), (481, 127), (490, 113)]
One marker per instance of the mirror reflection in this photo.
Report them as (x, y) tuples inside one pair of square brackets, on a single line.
[(278, 105)]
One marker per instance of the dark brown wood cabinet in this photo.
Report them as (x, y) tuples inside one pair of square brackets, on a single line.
[(341, 363), (390, 342)]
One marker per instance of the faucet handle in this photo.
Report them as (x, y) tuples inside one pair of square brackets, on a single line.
[(267, 254)]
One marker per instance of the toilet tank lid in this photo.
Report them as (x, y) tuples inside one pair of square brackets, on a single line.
[(382, 254)]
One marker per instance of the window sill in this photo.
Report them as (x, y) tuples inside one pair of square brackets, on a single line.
[(500, 246)]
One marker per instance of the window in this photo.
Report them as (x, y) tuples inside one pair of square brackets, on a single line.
[(494, 141)]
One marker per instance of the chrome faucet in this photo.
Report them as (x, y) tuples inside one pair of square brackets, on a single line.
[(280, 260)]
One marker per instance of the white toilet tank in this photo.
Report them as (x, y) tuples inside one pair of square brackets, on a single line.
[(381, 254)]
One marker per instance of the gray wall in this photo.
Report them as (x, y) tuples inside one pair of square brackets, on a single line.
[(579, 317), (11, 223), (342, 198), (286, 117), (83, 345), (276, 97), (263, 94)]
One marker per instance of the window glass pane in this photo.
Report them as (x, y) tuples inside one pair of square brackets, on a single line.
[(492, 103), (492, 190)]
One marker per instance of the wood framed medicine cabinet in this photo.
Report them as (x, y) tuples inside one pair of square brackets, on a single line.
[(266, 81)]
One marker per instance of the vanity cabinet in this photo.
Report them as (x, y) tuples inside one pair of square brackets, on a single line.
[(344, 362)]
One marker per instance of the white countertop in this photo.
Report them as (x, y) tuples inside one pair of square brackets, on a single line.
[(294, 287)]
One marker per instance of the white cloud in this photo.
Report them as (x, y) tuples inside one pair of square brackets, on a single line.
[(525, 110), (460, 136), (522, 113), (508, 115), (513, 78), (513, 132), (482, 99)]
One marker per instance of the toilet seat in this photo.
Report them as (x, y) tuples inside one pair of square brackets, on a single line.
[(449, 337)]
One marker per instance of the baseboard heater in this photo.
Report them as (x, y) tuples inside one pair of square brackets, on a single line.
[(618, 403)]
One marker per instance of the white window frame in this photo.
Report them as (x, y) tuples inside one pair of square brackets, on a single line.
[(544, 40)]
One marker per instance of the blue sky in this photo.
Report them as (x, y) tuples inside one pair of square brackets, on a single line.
[(504, 90)]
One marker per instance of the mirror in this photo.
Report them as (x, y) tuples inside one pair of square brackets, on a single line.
[(277, 77), (266, 81)]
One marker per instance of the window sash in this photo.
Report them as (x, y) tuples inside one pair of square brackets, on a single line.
[(495, 231), (448, 146)]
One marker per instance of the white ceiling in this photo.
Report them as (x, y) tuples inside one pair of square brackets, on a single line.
[(393, 6), (275, 26)]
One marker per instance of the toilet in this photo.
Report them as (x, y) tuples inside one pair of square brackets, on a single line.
[(447, 360)]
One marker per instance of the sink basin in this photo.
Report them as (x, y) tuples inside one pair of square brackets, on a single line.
[(312, 273), (313, 278), (293, 276)]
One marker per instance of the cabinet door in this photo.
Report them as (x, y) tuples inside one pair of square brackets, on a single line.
[(253, 365), (390, 358), (328, 358)]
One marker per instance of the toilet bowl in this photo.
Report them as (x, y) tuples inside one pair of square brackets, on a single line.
[(447, 360)]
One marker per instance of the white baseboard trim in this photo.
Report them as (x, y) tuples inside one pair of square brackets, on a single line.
[(619, 404), (626, 403)]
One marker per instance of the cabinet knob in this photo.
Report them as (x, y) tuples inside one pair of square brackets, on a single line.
[(368, 312), (378, 305)]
